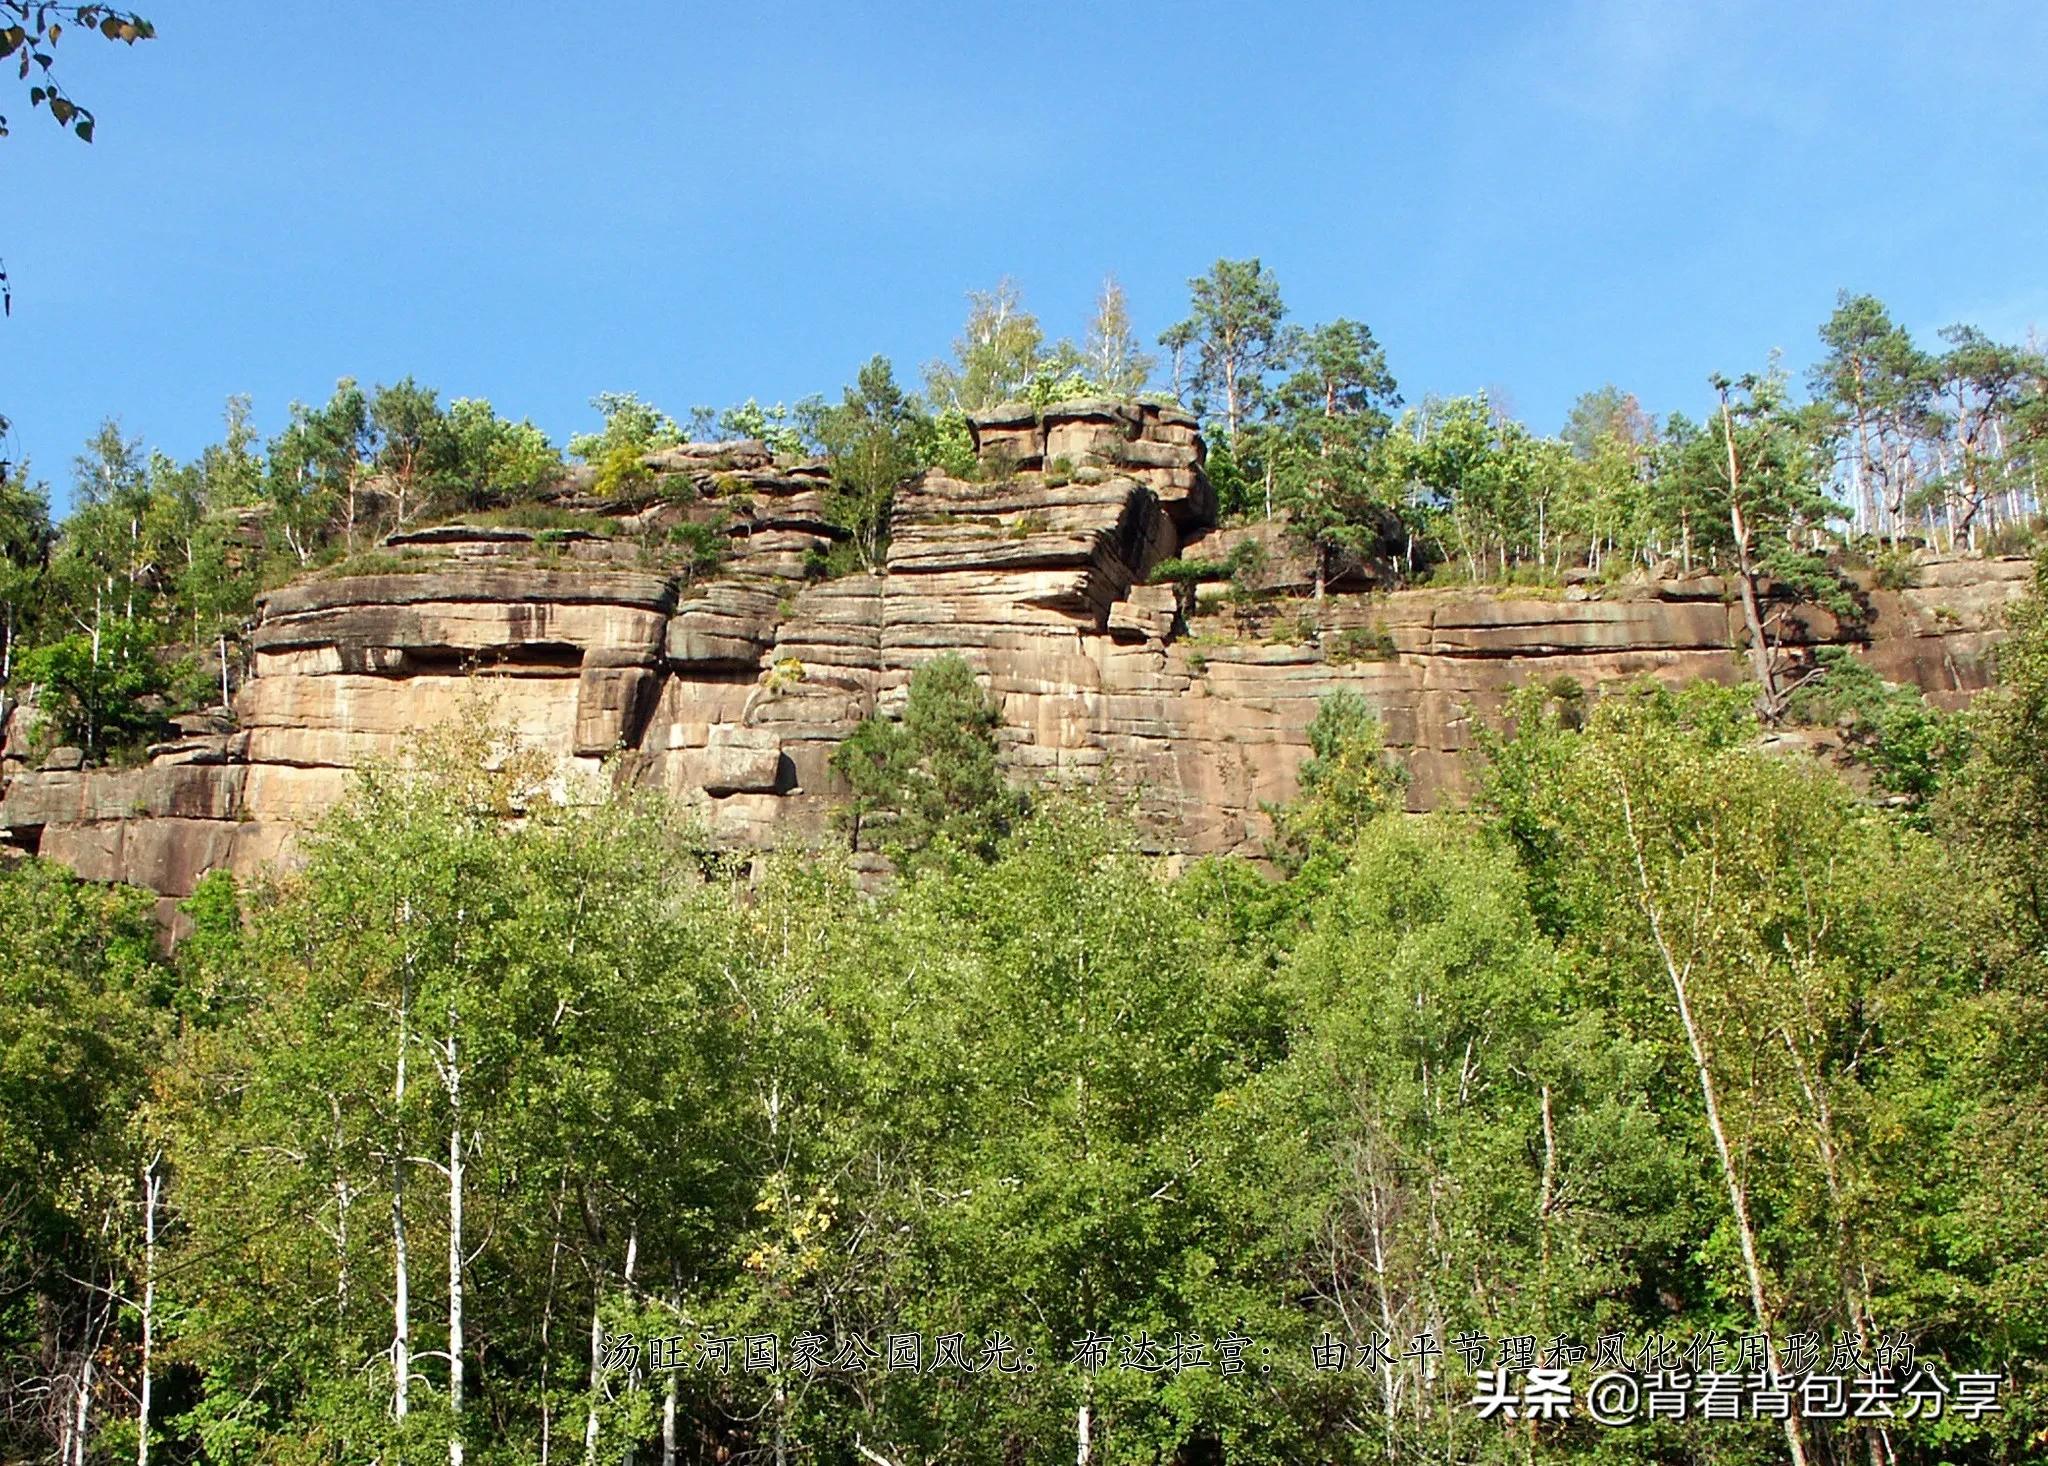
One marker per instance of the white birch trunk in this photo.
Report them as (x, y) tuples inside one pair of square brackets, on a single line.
[(633, 1376), (668, 1422), (401, 1282), (152, 1189), (454, 1082), (1738, 1196), (596, 1378)]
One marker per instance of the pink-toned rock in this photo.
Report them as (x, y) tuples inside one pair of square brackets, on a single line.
[(730, 688)]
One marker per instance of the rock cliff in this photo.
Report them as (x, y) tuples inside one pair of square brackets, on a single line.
[(727, 679)]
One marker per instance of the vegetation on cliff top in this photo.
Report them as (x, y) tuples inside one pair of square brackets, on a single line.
[(1896, 446)]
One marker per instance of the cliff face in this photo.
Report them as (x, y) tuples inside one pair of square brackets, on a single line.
[(730, 692)]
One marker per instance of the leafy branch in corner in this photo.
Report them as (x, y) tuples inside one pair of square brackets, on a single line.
[(32, 31)]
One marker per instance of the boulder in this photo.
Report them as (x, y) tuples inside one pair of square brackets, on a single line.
[(740, 761)]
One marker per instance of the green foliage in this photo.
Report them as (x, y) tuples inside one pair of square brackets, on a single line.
[(841, 557), (930, 780), (874, 440), (1452, 1130), (1081, 1111), (1895, 570), (1180, 571), (1481, 485), (996, 359), (32, 30), (622, 472), (1347, 780), (26, 540), (1333, 414), (1236, 490), (1912, 748), (1673, 1033), (543, 517), (951, 449), (82, 1030), (628, 423), (780, 428), (90, 690), (1112, 362), (1360, 644), (496, 460), (1235, 331), (704, 546), (1798, 958), (1244, 570), (1054, 382), (316, 466), (1997, 810), (1442, 1073), (1246, 566)]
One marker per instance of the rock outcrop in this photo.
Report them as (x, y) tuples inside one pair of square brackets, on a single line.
[(625, 648)]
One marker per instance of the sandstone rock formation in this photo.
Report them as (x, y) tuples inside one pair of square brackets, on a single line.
[(615, 650)]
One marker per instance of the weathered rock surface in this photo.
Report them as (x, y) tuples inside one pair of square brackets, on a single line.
[(729, 688)]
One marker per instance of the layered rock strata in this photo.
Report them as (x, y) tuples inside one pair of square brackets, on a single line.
[(615, 645)]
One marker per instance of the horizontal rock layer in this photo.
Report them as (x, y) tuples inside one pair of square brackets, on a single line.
[(731, 692)]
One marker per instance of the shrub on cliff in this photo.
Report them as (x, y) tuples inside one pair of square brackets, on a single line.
[(874, 439), (932, 777), (92, 691), (1348, 779)]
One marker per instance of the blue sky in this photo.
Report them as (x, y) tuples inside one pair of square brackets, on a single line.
[(533, 203)]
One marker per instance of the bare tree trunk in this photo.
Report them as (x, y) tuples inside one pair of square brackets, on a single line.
[(1768, 702), (590, 1423), (668, 1422), (455, 1341), (344, 1195), (547, 1315), (633, 1373), (78, 1422), (81, 1423), (152, 1190), (1738, 1196), (1384, 1297), (401, 1285), (1846, 1263), (1859, 464), (596, 1375)]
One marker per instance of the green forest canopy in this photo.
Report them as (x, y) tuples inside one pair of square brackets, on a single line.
[(1669, 1037)]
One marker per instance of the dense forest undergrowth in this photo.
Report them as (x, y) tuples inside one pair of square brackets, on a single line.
[(494, 1129)]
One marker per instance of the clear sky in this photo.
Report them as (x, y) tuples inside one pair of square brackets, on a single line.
[(535, 202)]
